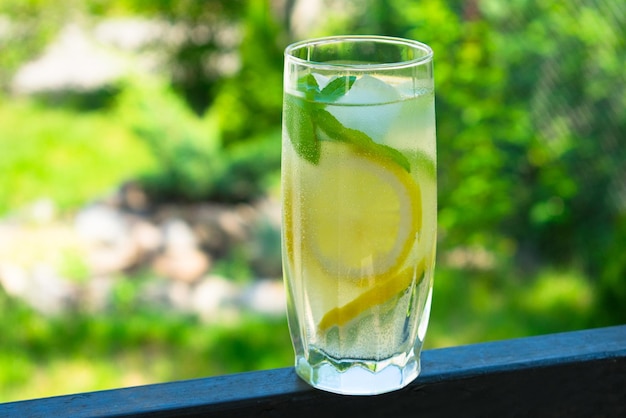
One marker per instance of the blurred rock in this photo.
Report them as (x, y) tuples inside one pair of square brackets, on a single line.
[(172, 247), (73, 61), (14, 279), (96, 293), (108, 240), (215, 297), (266, 297), (178, 236), (184, 264), (101, 223), (134, 199), (181, 259), (132, 34), (41, 288), (147, 236), (42, 211), (49, 293), (180, 294), (218, 227)]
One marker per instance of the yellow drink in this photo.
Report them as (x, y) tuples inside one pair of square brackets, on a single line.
[(359, 228)]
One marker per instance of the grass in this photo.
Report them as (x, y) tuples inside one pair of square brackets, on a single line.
[(64, 155), (80, 352)]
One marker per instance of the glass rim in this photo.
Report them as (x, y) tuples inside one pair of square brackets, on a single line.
[(427, 57)]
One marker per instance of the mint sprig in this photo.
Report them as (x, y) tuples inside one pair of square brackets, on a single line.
[(336, 88), (308, 122), (301, 128)]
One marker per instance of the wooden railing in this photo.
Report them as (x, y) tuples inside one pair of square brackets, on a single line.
[(574, 374)]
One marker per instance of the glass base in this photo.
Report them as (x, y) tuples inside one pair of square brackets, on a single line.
[(358, 377)]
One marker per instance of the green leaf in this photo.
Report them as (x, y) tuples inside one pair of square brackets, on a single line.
[(306, 118), (336, 88), (301, 129), (308, 85)]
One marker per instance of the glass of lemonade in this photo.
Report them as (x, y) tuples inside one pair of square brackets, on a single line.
[(359, 202)]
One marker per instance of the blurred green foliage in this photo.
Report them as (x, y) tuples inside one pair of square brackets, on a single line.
[(63, 154), (531, 127), (192, 161), (129, 345), (186, 147)]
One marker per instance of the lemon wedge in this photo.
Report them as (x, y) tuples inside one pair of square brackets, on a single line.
[(383, 291), (362, 215)]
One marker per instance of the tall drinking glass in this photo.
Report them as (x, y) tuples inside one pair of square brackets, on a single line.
[(359, 209)]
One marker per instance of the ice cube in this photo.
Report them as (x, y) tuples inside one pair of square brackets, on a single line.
[(370, 106), (370, 90)]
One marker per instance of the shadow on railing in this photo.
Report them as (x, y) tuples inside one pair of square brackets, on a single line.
[(573, 374)]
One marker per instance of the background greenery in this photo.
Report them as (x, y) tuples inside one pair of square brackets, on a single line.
[(531, 126)]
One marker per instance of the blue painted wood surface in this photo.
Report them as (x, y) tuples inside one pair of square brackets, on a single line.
[(573, 374)]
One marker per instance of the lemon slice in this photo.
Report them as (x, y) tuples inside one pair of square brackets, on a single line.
[(363, 213), (383, 291)]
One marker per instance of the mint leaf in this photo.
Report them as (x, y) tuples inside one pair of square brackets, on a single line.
[(306, 118), (301, 129), (336, 88), (308, 85)]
